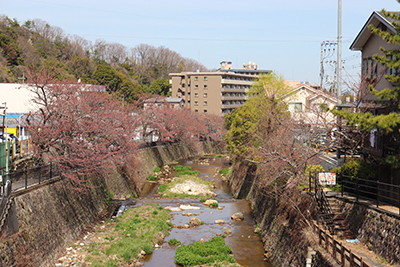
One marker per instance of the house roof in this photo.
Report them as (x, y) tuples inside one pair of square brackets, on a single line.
[(315, 93), (364, 34)]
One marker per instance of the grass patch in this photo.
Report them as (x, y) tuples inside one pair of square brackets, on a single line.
[(218, 156), (158, 169), (164, 189), (152, 178), (182, 173), (178, 168), (224, 171), (213, 251), (213, 205), (137, 229), (174, 241)]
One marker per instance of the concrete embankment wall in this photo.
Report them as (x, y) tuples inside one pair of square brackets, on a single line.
[(52, 216), (281, 218)]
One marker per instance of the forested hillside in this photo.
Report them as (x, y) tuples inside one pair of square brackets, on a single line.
[(125, 71)]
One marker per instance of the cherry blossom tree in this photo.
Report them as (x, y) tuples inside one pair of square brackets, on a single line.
[(79, 127)]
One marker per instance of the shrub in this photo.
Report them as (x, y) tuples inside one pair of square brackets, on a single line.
[(187, 168), (174, 241), (158, 169), (357, 168), (313, 168), (151, 178), (203, 200), (178, 168)]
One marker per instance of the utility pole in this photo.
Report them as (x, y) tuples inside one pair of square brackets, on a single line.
[(339, 54), (322, 64)]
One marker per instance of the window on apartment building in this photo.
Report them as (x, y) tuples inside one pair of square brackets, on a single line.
[(205, 78), (188, 101), (295, 107), (205, 111), (196, 103), (196, 110), (205, 95), (196, 78), (196, 95), (205, 86), (189, 94), (196, 87), (205, 103)]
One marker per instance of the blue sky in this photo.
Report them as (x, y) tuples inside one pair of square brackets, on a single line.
[(284, 36)]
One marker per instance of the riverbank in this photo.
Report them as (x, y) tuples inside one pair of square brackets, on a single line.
[(52, 216)]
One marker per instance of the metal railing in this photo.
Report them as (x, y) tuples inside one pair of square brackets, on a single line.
[(325, 213), (26, 177), (382, 193)]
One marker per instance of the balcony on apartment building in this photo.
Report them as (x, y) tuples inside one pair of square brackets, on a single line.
[(237, 80)]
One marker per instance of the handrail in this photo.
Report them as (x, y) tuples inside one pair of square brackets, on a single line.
[(371, 190), (336, 248), (322, 202)]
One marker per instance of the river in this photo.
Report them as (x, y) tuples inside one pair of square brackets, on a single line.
[(246, 244)]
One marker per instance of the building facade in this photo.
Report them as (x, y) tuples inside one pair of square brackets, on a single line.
[(216, 92)]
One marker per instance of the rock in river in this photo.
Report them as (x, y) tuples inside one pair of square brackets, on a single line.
[(238, 216)]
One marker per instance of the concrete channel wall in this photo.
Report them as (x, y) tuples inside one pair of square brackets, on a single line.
[(51, 216)]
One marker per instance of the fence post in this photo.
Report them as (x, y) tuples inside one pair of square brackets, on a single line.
[(343, 258), (356, 188), (398, 196), (342, 180), (26, 177), (377, 193), (39, 170), (320, 236), (334, 249), (351, 258)]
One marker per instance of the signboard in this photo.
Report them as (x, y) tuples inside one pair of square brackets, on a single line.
[(327, 178)]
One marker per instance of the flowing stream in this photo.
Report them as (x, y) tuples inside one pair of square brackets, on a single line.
[(246, 244)]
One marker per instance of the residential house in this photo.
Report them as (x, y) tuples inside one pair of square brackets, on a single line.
[(304, 102)]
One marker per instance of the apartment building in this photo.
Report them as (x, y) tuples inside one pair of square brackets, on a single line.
[(217, 92)]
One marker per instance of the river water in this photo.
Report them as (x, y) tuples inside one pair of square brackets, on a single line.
[(246, 244)]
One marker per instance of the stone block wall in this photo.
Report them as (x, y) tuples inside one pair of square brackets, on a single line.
[(376, 229)]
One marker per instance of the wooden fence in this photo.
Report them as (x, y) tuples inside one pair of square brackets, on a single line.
[(343, 255)]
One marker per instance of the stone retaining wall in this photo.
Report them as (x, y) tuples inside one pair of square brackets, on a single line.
[(376, 229), (52, 216), (285, 234)]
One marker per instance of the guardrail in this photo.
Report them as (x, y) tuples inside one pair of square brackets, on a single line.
[(371, 190), (29, 176), (338, 251)]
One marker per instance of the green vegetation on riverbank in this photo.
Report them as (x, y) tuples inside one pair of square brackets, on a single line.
[(213, 251), (134, 233)]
